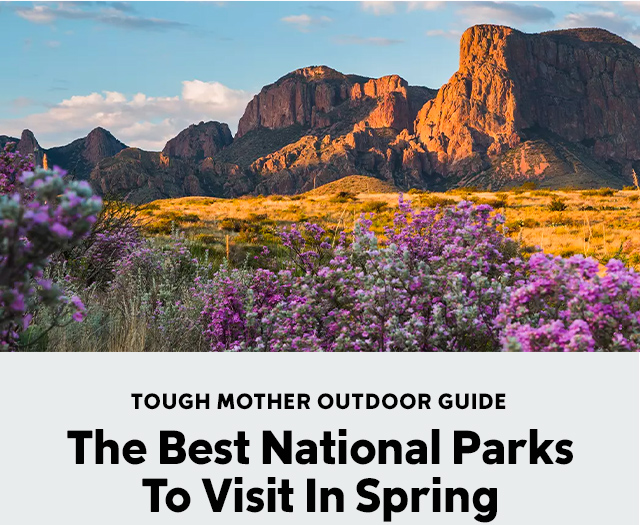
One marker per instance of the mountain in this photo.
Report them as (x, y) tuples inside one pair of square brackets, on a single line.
[(175, 172), (78, 158), (199, 141), (313, 126), (560, 108), (5, 139), (82, 155), (563, 104), (26, 144), (316, 125)]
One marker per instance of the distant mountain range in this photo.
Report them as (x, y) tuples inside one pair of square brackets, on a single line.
[(560, 108)]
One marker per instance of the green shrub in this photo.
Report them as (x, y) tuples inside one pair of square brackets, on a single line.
[(557, 204), (230, 224)]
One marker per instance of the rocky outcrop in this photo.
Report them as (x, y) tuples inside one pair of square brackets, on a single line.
[(142, 176), (82, 155), (199, 141), (339, 125), (581, 85), (318, 97)]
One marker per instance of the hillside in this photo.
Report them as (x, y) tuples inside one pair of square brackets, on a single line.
[(355, 184)]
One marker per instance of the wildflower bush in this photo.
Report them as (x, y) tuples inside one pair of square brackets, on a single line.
[(12, 165), (440, 280), (40, 215)]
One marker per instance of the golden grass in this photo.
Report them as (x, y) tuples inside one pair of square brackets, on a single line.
[(602, 226)]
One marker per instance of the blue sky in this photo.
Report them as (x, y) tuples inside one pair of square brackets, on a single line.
[(145, 70)]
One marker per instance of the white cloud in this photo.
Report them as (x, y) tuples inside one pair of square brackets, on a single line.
[(388, 8), (504, 13), (366, 41), (140, 121), (634, 7), (52, 44), (619, 24), (450, 33), (38, 14), (119, 14), (426, 6), (379, 8), (305, 23)]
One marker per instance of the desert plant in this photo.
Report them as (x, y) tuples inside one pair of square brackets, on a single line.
[(59, 215), (557, 204)]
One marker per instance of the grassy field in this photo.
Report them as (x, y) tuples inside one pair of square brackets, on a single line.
[(599, 223)]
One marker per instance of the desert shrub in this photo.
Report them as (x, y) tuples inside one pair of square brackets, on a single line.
[(633, 198), (557, 204), (344, 196), (464, 190), (434, 201), (173, 216), (56, 216), (566, 305), (444, 279), (600, 192), (189, 217), (115, 233), (257, 217), (374, 207), (435, 284), (230, 224), (524, 187), (12, 165), (518, 224), (158, 226)]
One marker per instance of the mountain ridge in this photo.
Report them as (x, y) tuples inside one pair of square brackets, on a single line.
[(558, 108)]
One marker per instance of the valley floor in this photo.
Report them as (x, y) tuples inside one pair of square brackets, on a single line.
[(603, 224)]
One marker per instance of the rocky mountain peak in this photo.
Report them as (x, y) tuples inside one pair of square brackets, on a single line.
[(199, 141), (581, 86), (99, 144), (28, 144), (312, 73)]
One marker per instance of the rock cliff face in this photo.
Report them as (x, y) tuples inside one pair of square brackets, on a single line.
[(337, 125), (317, 97), (199, 141), (581, 86), (26, 144)]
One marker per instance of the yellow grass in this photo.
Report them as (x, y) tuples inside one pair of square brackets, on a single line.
[(593, 225)]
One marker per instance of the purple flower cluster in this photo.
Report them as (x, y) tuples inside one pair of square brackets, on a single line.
[(58, 215), (571, 305), (12, 165), (439, 280)]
